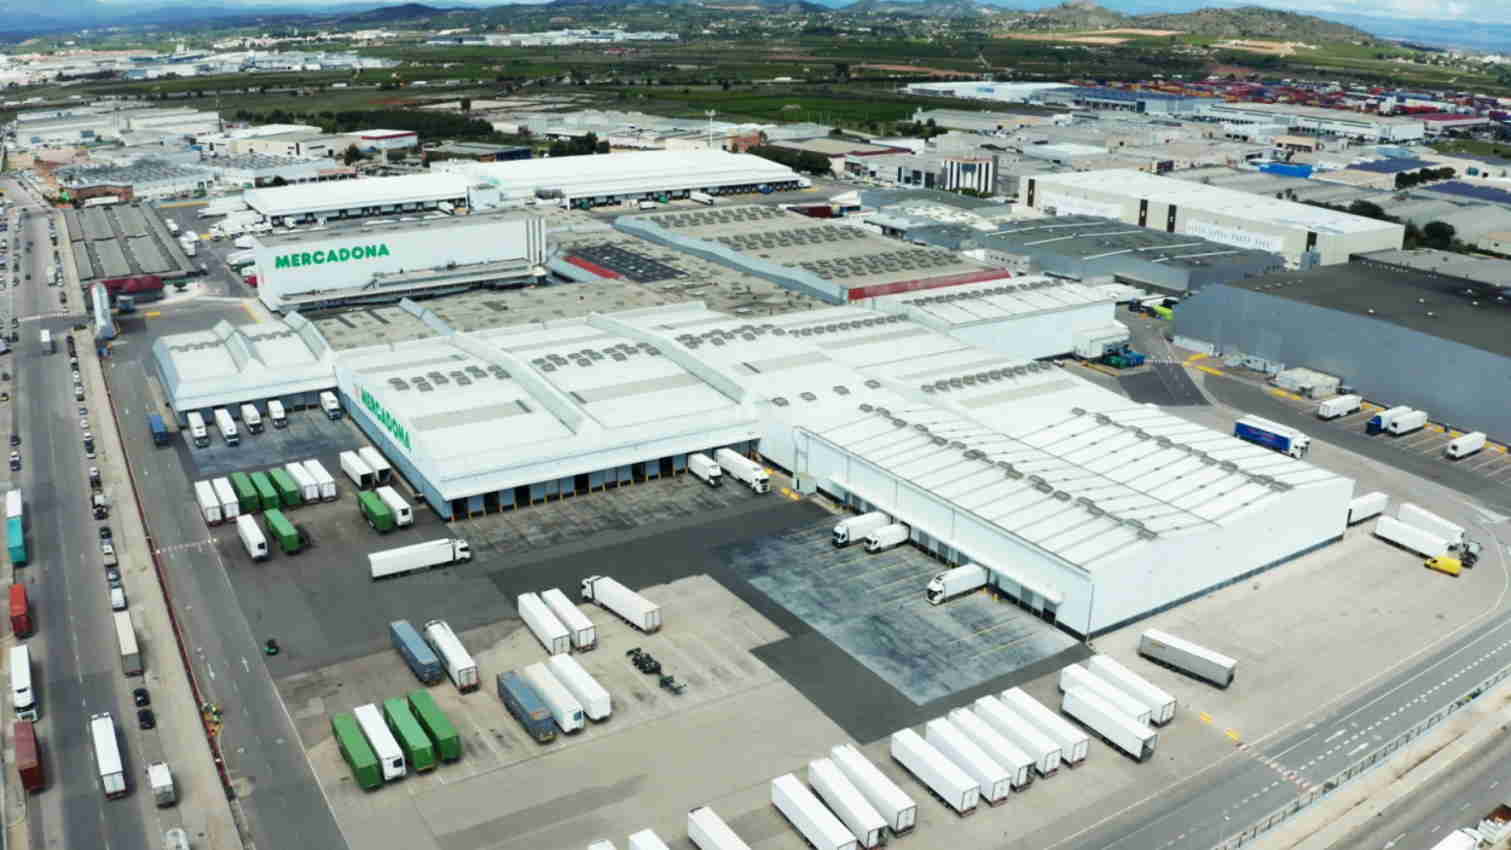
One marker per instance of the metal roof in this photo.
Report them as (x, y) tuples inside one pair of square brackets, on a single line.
[(991, 301), (344, 194)]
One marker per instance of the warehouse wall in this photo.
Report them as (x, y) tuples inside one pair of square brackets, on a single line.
[(1038, 335), (1462, 386)]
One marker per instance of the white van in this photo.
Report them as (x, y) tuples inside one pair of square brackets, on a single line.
[(21, 694), (117, 598)]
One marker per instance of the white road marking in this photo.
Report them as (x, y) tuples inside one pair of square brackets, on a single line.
[(244, 665)]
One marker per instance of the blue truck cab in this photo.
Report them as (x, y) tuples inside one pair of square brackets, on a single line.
[(526, 706), (160, 435), (416, 652)]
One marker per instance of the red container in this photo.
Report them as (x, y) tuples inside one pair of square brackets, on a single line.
[(28, 756), (20, 611)]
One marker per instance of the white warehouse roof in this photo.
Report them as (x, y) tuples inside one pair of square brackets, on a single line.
[(992, 301), (308, 198), (230, 364), (618, 173)]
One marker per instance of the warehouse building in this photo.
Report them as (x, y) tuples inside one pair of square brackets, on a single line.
[(375, 263), (287, 206), (230, 364), (1436, 342), (1319, 120), (1301, 233)]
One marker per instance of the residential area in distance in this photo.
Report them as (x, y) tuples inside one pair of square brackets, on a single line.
[(692, 426)]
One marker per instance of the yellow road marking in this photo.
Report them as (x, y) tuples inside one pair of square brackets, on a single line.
[(1205, 717), (1437, 428), (250, 312), (1210, 371), (1195, 357), (1370, 406), (1284, 394), (1233, 733), (152, 314)]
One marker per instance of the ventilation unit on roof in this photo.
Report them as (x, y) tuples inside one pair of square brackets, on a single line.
[(841, 390), (969, 379), (807, 396), (1078, 411), (866, 408), (928, 388), (779, 401), (883, 411), (974, 454), (1228, 466), (1036, 480), (1163, 442), (1061, 496), (940, 441), (921, 428), (1103, 419)]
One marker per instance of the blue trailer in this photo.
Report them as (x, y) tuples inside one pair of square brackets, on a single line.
[(1262, 432), (160, 435), (416, 652), (526, 706)]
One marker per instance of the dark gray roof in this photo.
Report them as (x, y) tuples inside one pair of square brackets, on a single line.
[(1088, 237)]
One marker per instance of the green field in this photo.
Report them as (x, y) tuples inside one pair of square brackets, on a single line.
[(1473, 147)]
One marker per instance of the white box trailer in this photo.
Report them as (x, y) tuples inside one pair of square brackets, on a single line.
[(595, 700), (459, 664), (1465, 445), (895, 806), (1186, 657), (327, 484), (1109, 722), (197, 431), (418, 556), (846, 802), (1343, 405), (994, 780), (252, 538), (107, 755), (940, 775), (358, 471), (1368, 505), (602, 844), (640, 612), (402, 514), (854, 528), (251, 418), (1415, 515), (1408, 422), (1074, 743), (308, 489), (381, 738), (543, 624), (277, 414), (708, 831), (564, 708), (584, 633), (1076, 676), (956, 582), (1425, 543), (377, 463), (209, 503), (330, 405), (1160, 703), (887, 536), (227, 426), (1012, 726), (744, 470), (1020, 766), (703, 467), (808, 816), (647, 839), (230, 506), (1381, 421)]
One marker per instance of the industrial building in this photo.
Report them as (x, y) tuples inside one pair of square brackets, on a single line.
[(1319, 120), (293, 205), (1301, 233), (1436, 342), (985, 90), (929, 170), (384, 262)]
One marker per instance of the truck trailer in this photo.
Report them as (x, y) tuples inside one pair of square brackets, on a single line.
[(526, 706), (956, 582), (382, 471), (209, 503), (1076, 676), (230, 505), (1074, 743), (1272, 435), (1020, 766), (309, 491), (846, 802), (416, 653), (1008, 723), (704, 469), (887, 536), (1110, 723), (289, 493), (283, 531), (708, 831), (1368, 505), (1381, 421), (994, 780), (160, 780), (1419, 517), (252, 538), (107, 755), (1406, 423), (402, 515), (584, 633), (251, 418), (1183, 656), (198, 433), (358, 471), (227, 427), (1426, 543), (28, 756), (375, 511), (595, 701), (744, 470), (851, 529), (418, 556), (323, 479), (375, 730), (1465, 445), (564, 708), (330, 405), (895, 806), (543, 624), (940, 775), (638, 611), (458, 662), (1343, 405), (1161, 704), (277, 414), (818, 826)]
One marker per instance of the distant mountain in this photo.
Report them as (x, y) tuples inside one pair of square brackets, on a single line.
[(1253, 22), (1072, 15), (400, 12), (920, 8)]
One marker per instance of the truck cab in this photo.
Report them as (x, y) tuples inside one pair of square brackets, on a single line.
[(330, 405)]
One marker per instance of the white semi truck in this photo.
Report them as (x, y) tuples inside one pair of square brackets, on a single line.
[(886, 537), (854, 528), (704, 469), (744, 470), (418, 556), (227, 426), (640, 612), (956, 582)]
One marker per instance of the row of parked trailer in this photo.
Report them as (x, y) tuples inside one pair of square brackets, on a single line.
[(409, 733), (436, 653), (556, 622), (555, 695), (198, 432), (1446, 545), (711, 470), (224, 499)]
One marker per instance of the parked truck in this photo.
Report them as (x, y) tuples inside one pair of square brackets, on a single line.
[(956, 582), (107, 755), (703, 467), (438, 726), (526, 706), (375, 511), (230, 505), (565, 709), (1074, 744), (358, 471), (646, 839), (418, 749), (418, 556), (1183, 656), (595, 701), (209, 504), (1419, 517), (744, 470), (1112, 725), (887, 536), (846, 802), (818, 826), (994, 781), (252, 538), (895, 806), (160, 780), (1006, 722), (277, 414), (309, 491), (940, 775), (543, 624), (1019, 765), (1343, 405), (1465, 445), (289, 493), (330, 405), (402, 515), (227, 427), (20, 612), (28, 756), (1272, 435), (323, 479), (1076, 676), (584, 633), (416, 653), (1428, 544), (708, 831), (638, 611), (198, 434), (459, 665), (382, 471), (251, 418), (851, 529), (1381, 421), (159, 429), (1160, 703), (1368, 505), (288, 537), (267, 494)]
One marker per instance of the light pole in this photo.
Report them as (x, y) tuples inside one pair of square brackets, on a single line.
[(710, 113)]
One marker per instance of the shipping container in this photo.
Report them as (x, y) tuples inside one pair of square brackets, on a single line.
[(230, 505), (1020, 766), (209, 503), (289, 494), (355, 750), (526, 706), (382, 471), (584, 634), (1366, 506), (1160, 703), (1076, 676), (543, 624), (419, 753), (1419, 517), (808, 816), (994, 780), (846, 802), (247, 500), (28, 755), (23, 698), (1186, 657), (390, 757), (646, 839), (378, 515), (459, 665), (107, 755), (1074, 743), (564, 708), (854, 528), (358, 471), (252, 538), (309, 491), (322, 478), (402, 515), (940, 775), (708, 831), (638, 611), (1465, 445), (267, 494), (1419, 540), (283, 531), (895, 806), (416, 652), (1012, 726), (448, 745), (593, 698), (21, 624), (1124, 733)]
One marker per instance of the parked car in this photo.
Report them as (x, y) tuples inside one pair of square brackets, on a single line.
[(146, 719), (113, 576), (15, 460), (105, 532), (141, 697)]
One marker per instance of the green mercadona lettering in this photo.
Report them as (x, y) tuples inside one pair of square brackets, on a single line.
[(335, 255), (386, 419)]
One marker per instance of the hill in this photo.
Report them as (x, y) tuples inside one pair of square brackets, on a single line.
[(919, 8), (1253, 22), (399, 12), (1072, 15)]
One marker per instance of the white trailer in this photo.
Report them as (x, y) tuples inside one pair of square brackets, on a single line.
[(1425, 543), (330, 405), (1460, 839), (107, 755), (703, 467), (703, 198), (322, 478), (887, 536), (554, 636), (230, 506), (197, 431), (1408, 422), (1186, 657), (308, 489), (251, 418), (808, 816), (744, 470), (564, 708), (1076, 676), (994, 780), (956, 582), (1465, 445), (1366, 506), (708, 831), (602, 844), (846, 802), (277, 414), (1110, 723), (896, 807), (1343, 405), (358, 471), (1073, 742), (1160, 703), (227, 427), (940, 775), (209, 503), (647, 839), (640, 612), (381, 740), (160, 780), (595, 700), (252, 537), (375, 461), (584, 633), (1419, 517), (402, 514), (418, 556), (1020, 765), (1044, 751), (854, 528), (1381, 421), (459, 664)]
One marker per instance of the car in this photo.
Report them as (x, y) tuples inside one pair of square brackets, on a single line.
[(113, 576), (141, 697), (146, 719), (105, 533), (15, 439), (94, 476), (84, 424), (15, 460), (83, 411)]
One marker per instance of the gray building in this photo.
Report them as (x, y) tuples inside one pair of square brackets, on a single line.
[(1436, 343)]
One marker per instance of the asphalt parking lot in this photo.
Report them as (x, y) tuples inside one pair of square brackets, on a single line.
[(309, 435), (219, 279)]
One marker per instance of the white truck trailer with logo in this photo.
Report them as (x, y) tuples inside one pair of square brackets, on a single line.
[(1135, 739), (1020, 766), (895, 806), (230, 506), (851, 529), (377, 463), (564, 708), (940, 775), (402, 514), (708, 831), (198, 433), (808, 816), (956, 582), (252, 538), (251, 418), (459, 664), (1076, 676), (1160, 703), (638, 611), (1186, 657), (846, 802), (886, 537), (418, 556), (744, 470), (584, 633), (358, 471), (107, 755), (227, 427), (1428, 544), (1074, 743), (1010, 725), (994, 780), (209, 503), (323, 479), (554, 636), (705, 469), (595, 700)]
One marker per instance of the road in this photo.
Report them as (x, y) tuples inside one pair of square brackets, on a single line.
[(75, 663)]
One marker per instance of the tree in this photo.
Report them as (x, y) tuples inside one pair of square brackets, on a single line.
[(1438, 234), (1368, 209), (351, 154), (278, 181), (466, 104)]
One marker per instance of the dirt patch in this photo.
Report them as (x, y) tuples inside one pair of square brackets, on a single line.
[(1269, 48), (1107, 36), (917, 69)]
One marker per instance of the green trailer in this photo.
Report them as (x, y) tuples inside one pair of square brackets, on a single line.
[(288, 491), (418, 750), (354, 748), (377, 512), (246, 494), (283, 531), (448, 745), (266, 493)]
